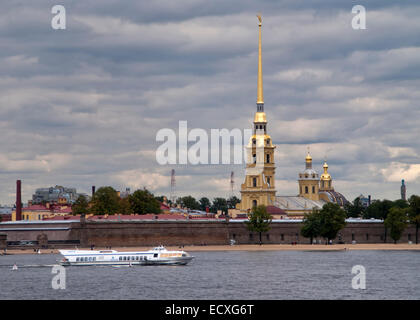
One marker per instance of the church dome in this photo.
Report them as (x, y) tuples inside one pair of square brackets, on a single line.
[(334, 197), (309, 173), (325, 176)]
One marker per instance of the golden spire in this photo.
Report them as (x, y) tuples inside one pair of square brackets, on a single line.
[(308, 157), (260, 96), (325, 176)]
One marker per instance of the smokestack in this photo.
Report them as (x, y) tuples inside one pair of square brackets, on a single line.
[(18, 201), (369, 200), (93, 190)]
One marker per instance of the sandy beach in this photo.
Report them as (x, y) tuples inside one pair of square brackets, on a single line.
[(250, 247)]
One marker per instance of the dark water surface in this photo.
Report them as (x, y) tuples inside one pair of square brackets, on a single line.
[(224, 275)]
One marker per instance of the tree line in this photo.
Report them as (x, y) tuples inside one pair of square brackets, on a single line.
[(395, 214), (203, 203), (107, 201), (331, 218)]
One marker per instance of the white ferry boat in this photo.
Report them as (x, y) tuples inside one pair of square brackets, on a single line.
[(155, 256)]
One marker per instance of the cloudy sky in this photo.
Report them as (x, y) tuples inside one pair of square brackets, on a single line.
[(82, 106)]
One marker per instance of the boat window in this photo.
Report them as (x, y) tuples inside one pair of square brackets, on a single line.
[(155, 255), (133, 258), (120, 258)]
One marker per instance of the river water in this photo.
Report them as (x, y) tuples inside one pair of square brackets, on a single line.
[(223, 275)]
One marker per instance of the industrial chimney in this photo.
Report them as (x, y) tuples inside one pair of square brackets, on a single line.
[(93, 191), (18, 201)]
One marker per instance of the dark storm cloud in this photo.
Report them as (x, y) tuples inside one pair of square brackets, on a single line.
[(82, 106)]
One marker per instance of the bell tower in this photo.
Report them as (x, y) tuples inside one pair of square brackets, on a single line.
[(309, 181), (259, 185), (326, 180)]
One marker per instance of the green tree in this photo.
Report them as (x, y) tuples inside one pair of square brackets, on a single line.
[(396, 221), (355, 209), (160, 198), (190, 203), (379, 209), (219, 204), (232, 201), (259, 220), (332, 219), (105, 201), (400, 203), (81, 206), (204, 203), (414, 213), (311, 225), (125, 206), (143, 201)]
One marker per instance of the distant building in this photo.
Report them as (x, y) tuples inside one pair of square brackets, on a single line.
[(365, 202), (57, 194), (6, 214), (124, 194), (41, 212), (403, 190)]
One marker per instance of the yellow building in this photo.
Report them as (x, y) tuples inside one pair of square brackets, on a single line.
[(326, 181), (32, 213), (326, 189), (259, 185), (309, 181), (37, 212)]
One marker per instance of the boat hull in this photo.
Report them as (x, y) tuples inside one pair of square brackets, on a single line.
[(157, 256), (178, 261)]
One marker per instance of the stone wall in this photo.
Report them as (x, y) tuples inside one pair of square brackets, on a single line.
[(152, 233), (3, 241), (192, 232)]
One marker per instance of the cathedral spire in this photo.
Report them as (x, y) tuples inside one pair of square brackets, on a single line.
[(260, 95), (308, 160)]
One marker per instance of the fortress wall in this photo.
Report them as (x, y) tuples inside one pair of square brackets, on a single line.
[(154, 233), (151, 233), (30, 231)]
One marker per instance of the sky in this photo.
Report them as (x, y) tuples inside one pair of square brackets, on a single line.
[(82, 106)]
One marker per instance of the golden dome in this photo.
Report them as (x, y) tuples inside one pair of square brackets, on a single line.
[(260, 117), (308, 158), (325, 175)]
